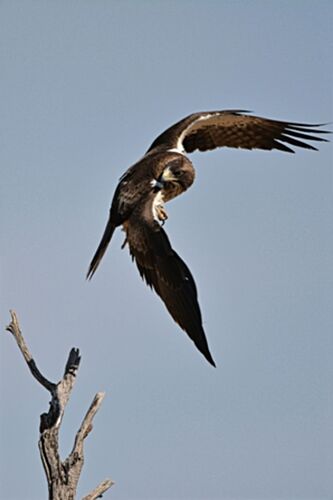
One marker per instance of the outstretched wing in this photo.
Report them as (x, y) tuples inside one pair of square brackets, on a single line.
[(165, 272), (235, 129)]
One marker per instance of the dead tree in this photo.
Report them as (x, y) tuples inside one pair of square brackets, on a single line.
[(62, 476)]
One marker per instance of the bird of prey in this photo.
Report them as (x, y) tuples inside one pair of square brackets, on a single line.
[(165, 172)]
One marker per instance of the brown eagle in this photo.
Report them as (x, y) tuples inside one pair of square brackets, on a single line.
[(165, 172)]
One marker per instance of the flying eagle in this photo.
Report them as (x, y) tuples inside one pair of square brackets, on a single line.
[(165, 172)]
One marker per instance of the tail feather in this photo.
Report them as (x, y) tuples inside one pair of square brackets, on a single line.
[(110, 227)]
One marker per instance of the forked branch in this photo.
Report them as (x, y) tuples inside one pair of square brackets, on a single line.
[(62, 476)]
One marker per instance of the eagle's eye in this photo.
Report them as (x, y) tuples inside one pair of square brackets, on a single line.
[(177, 173)]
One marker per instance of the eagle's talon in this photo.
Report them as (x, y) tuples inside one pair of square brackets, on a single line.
[(161, 213)]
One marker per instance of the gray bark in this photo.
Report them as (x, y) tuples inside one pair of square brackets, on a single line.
[(62, 476)]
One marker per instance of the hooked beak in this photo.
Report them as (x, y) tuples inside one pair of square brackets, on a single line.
[(156, 184)]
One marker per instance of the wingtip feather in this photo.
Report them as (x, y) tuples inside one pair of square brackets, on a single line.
[(209, 358)]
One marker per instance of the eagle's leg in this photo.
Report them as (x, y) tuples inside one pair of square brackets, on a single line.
[(125, 240)]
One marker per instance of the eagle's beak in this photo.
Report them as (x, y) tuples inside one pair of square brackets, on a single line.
[(156, 184)]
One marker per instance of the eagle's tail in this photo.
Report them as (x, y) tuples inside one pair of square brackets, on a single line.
[(110, 227)]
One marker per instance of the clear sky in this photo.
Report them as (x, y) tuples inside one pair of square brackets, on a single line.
[(85, 88)]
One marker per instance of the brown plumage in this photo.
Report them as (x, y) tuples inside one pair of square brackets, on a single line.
[(164, 173)]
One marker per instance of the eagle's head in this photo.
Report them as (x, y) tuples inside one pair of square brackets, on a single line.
[(177, 176)]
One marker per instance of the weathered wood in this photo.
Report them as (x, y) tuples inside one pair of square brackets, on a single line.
[(99, 490), (62, 476)]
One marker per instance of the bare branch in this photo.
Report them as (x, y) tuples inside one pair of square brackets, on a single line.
[(99, 490), (62, 476), (14, 328), (75, 459), (86, 425)]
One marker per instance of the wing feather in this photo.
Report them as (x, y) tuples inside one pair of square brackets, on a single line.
[(235, 129), (164, 271)]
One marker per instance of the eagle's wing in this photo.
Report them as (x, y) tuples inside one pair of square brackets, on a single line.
[(164, 271), (234, 129)]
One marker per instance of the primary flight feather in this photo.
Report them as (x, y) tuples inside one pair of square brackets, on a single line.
[(165, 172)]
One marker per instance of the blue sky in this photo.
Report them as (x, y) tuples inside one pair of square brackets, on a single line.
[(85, 88)]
